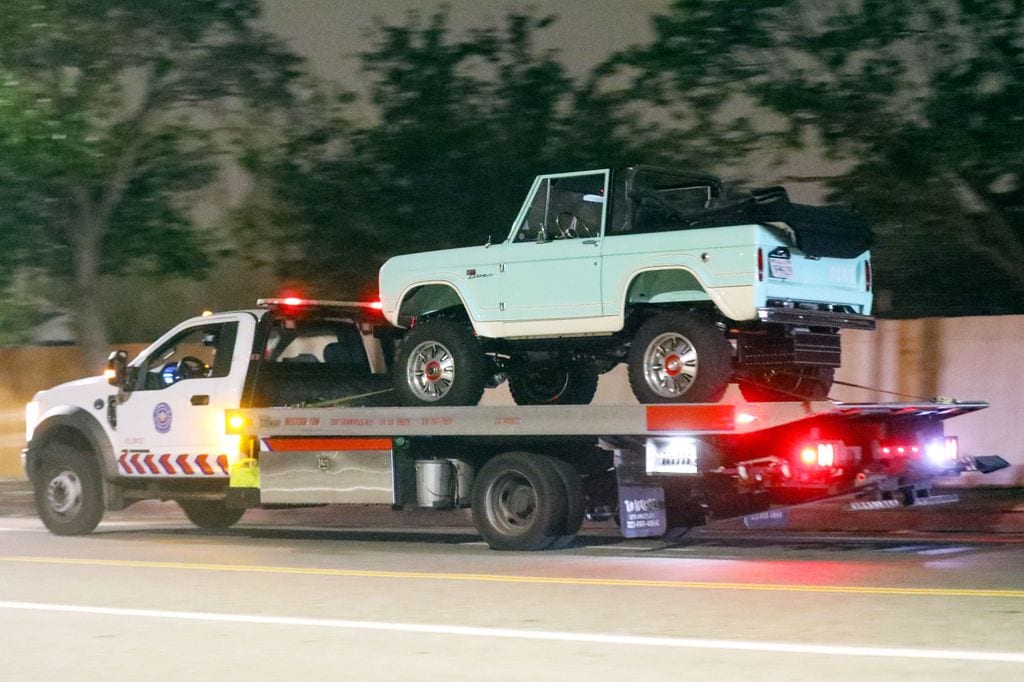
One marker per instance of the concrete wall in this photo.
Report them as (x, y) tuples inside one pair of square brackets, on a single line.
[(963, 358), (23, 371)]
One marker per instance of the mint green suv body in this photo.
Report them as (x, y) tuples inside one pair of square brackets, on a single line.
[(748, 287)]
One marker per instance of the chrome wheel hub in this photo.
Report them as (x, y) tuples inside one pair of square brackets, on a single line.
[(64, 493), (430, 371), (670, 364)]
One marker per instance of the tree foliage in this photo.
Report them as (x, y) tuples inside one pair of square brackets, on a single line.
[(461, 125), (112, 115), (919, 101)]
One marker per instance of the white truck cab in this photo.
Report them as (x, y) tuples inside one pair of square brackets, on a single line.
[(154, 427)]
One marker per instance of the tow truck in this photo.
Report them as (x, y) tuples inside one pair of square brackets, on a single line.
[(290, 404)]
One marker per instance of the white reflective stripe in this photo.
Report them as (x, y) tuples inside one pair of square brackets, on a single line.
[(542, 635)]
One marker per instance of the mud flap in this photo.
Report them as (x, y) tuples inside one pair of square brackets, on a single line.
[(244, 487), (641, 500)]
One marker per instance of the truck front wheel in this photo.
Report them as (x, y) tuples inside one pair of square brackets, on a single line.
[(520, 502), (440, 363), (679, 358), (210, 514), (68, 491)]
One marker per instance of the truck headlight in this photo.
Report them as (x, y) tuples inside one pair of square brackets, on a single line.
[(31, 418)]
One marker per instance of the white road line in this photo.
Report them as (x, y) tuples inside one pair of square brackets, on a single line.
[(542, 635), (5, 529), (944, 550)]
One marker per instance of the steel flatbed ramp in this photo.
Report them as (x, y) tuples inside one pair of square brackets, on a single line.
[(570, 420)]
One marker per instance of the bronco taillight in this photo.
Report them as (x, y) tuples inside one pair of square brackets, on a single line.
[(760, 264), (867, 275)]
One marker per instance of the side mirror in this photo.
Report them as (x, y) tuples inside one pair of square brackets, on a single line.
[(117, 369)]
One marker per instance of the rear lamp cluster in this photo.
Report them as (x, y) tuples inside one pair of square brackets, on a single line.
[(941, 451)]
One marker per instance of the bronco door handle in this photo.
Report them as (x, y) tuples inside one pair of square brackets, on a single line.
[(593, 242)]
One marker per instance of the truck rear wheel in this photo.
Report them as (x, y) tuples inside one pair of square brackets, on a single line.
[(210, 514), (519, 502), (68, 490), (679, 358), (575, 503), (551, 385), (440, 363)]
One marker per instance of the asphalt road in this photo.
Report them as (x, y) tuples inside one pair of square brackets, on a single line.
[(301, 595)]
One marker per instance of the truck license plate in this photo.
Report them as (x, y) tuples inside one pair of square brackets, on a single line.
[(780, 268), (676, 455)]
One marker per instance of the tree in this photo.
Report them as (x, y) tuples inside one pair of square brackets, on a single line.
[(461, 125), (919, 103), (113, 113)]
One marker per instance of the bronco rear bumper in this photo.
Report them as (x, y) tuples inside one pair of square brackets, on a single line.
[(803, 317)]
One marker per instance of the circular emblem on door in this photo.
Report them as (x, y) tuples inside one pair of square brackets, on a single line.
[(162, 417)]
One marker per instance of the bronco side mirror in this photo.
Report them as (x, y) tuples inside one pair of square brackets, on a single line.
[(117, 369)]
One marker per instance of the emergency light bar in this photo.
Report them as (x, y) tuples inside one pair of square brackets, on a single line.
[(296, 302)]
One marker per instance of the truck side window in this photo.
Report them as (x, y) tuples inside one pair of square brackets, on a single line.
[(195, 353)]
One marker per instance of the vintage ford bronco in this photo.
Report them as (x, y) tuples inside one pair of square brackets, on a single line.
[(689, 283)]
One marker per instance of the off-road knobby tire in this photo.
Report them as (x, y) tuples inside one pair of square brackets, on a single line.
[(520, 479), (569, 385), (575, 503), (210, 514), (470, 363), (714, 358), (68, 490), (788, 384)]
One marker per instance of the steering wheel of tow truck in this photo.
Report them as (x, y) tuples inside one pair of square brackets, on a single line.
[(570, 226), (191, 367)]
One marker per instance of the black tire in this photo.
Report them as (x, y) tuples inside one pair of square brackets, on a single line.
[(679, 358), (787, 384), (210, 514), (68, 490), (440, 363), (575, 503), (519, 502), (552, 385)]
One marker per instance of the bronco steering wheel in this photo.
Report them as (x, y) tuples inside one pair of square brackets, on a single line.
[(190, 367), (571, 226)]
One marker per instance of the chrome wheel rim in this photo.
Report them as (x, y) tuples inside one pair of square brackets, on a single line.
[(64, 493), (430, 371), (670, 365), (512, 503)]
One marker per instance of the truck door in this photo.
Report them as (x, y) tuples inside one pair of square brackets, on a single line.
[(171, 422), (552, 267)]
